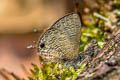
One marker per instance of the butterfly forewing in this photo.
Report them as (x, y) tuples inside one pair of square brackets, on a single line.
[(62, 39)]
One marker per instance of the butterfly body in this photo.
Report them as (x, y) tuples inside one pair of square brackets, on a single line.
[(62, 40)]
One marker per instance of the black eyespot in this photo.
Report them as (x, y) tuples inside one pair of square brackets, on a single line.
[(42, 45)]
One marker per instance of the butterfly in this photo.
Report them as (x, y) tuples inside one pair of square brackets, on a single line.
[(61, 42)]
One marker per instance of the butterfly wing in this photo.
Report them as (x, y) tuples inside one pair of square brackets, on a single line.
[(62, 40)]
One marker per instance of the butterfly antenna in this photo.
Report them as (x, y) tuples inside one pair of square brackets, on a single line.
[(32, 46)]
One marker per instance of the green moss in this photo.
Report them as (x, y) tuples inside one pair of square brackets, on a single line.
[(55, 71), (89, 33)]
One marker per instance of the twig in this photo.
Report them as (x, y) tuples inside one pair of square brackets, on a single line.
[(101, 17)]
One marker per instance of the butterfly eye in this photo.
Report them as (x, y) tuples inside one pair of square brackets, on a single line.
[(42, 45)]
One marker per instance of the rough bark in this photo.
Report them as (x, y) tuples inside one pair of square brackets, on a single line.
[(104, 64)]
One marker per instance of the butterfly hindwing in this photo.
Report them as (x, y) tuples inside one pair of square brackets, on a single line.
[(62, 39)]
